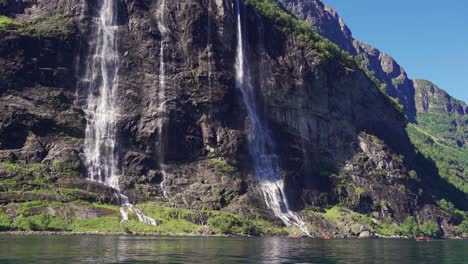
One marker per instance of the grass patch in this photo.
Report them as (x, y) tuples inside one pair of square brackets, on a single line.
[(7, 23), (64, 169), (41, 222), (29, 208), (223, 164), (107, 206), (181, 220), (101, 224), (49, 26), (344, 217)]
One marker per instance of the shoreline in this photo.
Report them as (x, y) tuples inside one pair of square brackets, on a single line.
[(169, 234), (65, 233)]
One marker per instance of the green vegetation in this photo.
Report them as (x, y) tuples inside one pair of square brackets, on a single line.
[(41, 222), (447, 127), (48, 26), (101, 224), (439, 136), (44, 27), (63, 169), (450, 161), (223, 164), (5, 221), (431, 229), (23, 169), (463, 227), (29, 208), (382, 87), (397, 82), (181, 220), (349, 219), (226, 223), (7, 23), (34, 216), (409, 227), (456, 216)]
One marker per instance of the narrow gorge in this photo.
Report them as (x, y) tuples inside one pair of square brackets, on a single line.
[(235, 117)]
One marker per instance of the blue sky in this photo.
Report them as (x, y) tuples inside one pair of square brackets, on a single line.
[(429, 38)]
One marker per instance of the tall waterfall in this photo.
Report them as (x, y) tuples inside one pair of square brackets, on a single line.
[(101, 112), (261, 146), (102, 80), (162, 100)]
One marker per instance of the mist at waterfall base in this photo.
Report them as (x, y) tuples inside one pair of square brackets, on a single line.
[(132, 249), (261, 146), (101, 79)]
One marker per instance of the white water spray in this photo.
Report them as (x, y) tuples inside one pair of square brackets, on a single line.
[(266, 165), (102, 80)]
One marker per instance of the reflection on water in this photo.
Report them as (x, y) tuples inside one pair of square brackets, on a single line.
[(127, 249)]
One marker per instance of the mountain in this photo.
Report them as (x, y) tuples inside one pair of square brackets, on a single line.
[(436, 120), (235, 117)]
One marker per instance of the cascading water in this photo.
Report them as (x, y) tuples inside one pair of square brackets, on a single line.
[(162, 109), (101, 111), (266, 167), (101, 78)]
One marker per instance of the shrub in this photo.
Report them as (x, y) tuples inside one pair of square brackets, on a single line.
[(455, 215), (5, 222), (463, 227), (431, 228), (227, 223), (410, 227)]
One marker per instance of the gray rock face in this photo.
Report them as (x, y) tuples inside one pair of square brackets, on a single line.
[(432, 98), (317, 111), (325, 20)]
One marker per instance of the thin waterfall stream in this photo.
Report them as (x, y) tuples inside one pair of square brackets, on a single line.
[(162, 99), (261, 146), (210, 54), (102, 80)]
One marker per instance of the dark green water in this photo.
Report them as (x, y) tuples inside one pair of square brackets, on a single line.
[(124, 249)]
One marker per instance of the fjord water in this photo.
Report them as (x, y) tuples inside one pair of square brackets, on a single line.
[(261, 145), (128, 249)]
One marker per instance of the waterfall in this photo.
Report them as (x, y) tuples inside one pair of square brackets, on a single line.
[(261, 146), (210, 54), (162, 109), (101, 111), (102, 79)]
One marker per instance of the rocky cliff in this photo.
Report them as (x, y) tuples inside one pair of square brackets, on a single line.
[(343, 145)]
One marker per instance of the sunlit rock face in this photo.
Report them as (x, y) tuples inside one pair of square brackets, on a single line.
[(330, 25)]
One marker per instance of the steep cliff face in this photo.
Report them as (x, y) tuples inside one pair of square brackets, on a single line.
[(328, 23), (340, 140), (415, 96)]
